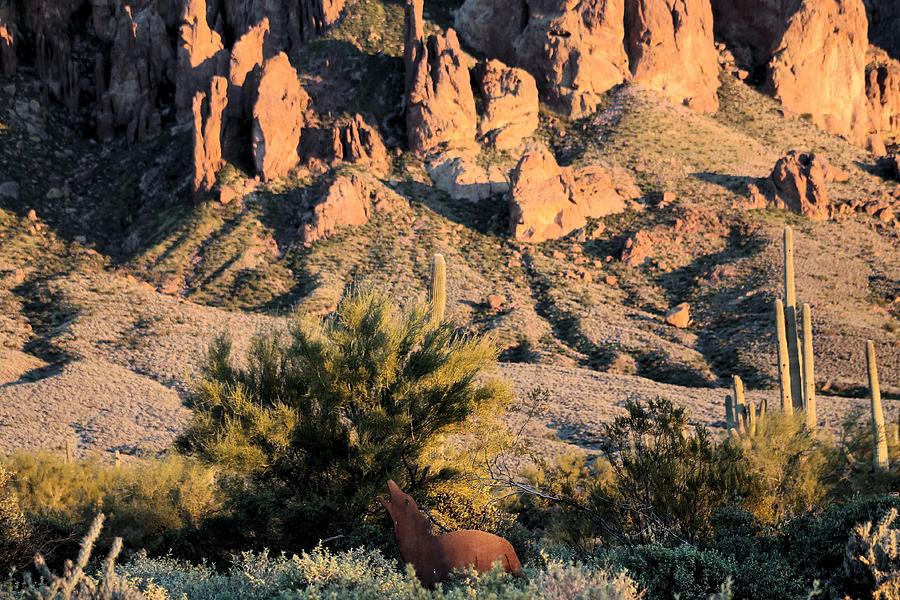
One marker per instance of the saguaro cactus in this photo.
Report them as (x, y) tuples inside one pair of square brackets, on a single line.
[(809, 378), (438, 288), (790, 319), (729, 413), (784, 373), (740, 405), (879, 435)]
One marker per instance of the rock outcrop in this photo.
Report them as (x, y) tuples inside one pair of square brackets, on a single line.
[(201, 55), (208, 110), (884, 25), (8, 59), (245, 63), (353, 141), (440, 106), (818, 67), (56, 69), (547, 201), (752, 28), (883, 94), (573, 50), (798, 183), (278, 116), (142, 61), (349, 200), (671, 49), (509, 104), (462, 177)]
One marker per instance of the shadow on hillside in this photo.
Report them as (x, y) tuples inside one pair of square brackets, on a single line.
[(733, 183), (488, 217), (735, 314)]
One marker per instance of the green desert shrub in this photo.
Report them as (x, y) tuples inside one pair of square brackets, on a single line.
[(816, 543), (790, 465), (16, 536), (665, 483), (153, 504), (367, 574), (320, 417), (872, 558)]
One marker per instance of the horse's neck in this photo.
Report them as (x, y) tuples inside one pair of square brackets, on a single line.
[(417, 542)]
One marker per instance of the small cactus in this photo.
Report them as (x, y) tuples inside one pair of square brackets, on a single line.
[(729, 412), (438, 288), (879, 436)]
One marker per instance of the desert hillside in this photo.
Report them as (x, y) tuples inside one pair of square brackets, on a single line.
[(171, 169)]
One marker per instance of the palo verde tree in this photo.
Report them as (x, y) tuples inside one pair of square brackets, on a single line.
[(323, 415)]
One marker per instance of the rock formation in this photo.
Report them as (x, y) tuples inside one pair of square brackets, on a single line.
[(56, 69), (349, 200), (353, 141), (548, 201), (8, 61), (671, 49), (798, 183), (440, 106), (246, 61), (462, 177), (573, 50), (201, 54), (883, 94), (884, 25), (278, 115), (509, 104), (141, 61), (752, 28), (818, 66), (208, 110)]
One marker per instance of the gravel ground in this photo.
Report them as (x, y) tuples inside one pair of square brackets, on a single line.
[(132, 353)]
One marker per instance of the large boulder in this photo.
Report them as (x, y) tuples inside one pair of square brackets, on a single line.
[(278, 115), (348, 201), (798, 184), (461, 175), (671, 49), (818, 67), (440, 106), (208, 110), (547, 201), (574, 50), (509, 104)]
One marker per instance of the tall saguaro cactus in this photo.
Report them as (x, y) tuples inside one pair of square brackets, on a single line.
[(784, 374), (438, 288), (790, 319), (879, 435)]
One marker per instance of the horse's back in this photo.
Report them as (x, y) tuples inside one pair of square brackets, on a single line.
[(479, 549)]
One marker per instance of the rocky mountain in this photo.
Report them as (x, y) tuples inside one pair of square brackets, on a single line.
[(589, 167)]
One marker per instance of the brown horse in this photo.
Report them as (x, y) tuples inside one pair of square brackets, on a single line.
[(434, 557)]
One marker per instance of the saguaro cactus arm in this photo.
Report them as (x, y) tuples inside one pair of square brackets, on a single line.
[(438, 291), (809, 378), (879, 435), (790, 319), (784, 373)]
